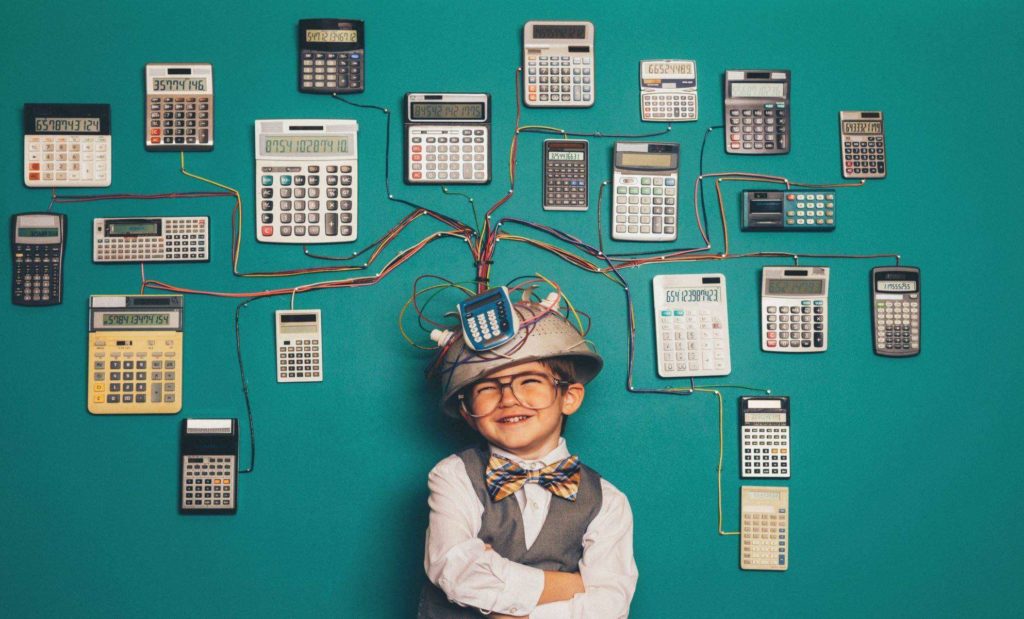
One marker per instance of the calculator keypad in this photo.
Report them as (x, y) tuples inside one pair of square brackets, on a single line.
[(565, 185), (208, 482), (764, 537), (299, 361), (898, 324), (765, 451), (182, 240), (811, 210), (180, 123), (67, 161), (864, 156), (310, 203), (448, 155), (758, 130), (135, 372), (796, 325), (37, 274), (692, 344), (327, 72), (645, 208), (559, 81), (669, 106)]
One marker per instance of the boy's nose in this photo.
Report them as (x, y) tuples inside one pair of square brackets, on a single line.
[(507, 397)]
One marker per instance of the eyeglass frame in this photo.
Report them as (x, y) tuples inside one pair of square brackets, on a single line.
[(557, 383)]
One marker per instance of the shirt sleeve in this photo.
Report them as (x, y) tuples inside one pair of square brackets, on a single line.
[(457, 561)]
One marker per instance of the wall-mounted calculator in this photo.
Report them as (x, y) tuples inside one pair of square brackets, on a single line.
[(37, 253), (645, 180), (794, 309), (863, 137), (757, 115), (307, 177), (298, 338), (668, 90), (764, 537), (67, 145), (135, 354), (151, 239), (447, 138), (488, 319), (209, 466), (179, 106), (566, 163), (691, 318), (896, 310), (332, 56), (764, 437), (558, 61), (788, 211)]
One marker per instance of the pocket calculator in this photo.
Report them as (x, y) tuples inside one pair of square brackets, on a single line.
[(298, 337), (307, 178), (135, 354), (764, 437), (691, 318), (37, 252), (488, 319), (566, 163), (896, 310), (863, 138), (332, 56), (794, 309), (559, 60), (209, 466), (67, 145), (179, 107), (764, 538), (447, 138), (668, 90), (757, 112), (788, 211), (645, 177), (150, 239)]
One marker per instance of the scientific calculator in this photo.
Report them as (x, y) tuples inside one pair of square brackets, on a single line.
[(794, 309), (67, 145), (896, 310), (179, 107), (691, 319), (757, 112), (135, 354), (151, 239), (764, 538), (488, 319), (298, 337), (566, 164), (863, 138), (764, 437), (668, 90), (37, 252), (447, 138), (332, 56), (645, 178), (558, 57), (307, 177), (788, 211), (209, 466)]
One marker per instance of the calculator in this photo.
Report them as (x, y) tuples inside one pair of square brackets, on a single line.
[(764, 437), (764, 538), (135, 354), (565, 175), (558, 57), (788, 211), (298, 337), (668, 90), (209, 466), (794, 309), (896, 310), (67, 145), (645, 178), (150, 239), (179, 107), (447, 138), (332, 56), (757, 112), (863, 138), (691, 318), (488, 319), (37, 253), (307, 177)]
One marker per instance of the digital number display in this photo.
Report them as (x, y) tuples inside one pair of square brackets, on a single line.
[(672, 68), (861, 127), (308, 145), (448, 111), (332, 36), (764, 417), (559, 31), (759, 90), (692, 295), (561, 155), (37, 232), (763, 495), (907, 285), (135, 228), (796, 286), (67, 125), (646, 160), (179, 84), (141, 319)]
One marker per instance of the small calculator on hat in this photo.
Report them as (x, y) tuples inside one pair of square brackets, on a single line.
[(488, 320)]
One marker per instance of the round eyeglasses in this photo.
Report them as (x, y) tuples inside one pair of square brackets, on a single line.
[(533, 390)]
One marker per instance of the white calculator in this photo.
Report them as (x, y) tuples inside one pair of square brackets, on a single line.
[(668, 90), (764, 437), (558, 62), (645, 180), (307, 177), (764, 538), (691, 325), (179, 107), (447, 138), (794, 309), (151, 239), (299, 339), (67, 145)]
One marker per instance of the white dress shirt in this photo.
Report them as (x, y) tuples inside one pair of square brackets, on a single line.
[(470, 575)]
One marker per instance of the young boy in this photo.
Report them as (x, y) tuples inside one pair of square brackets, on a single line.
[(519, 527)]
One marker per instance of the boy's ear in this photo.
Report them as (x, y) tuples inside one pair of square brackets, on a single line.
[(573, 398)]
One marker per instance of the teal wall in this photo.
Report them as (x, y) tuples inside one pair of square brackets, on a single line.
[(906, 471)]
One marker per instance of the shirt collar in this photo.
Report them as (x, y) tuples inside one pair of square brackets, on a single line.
[(560, 452)]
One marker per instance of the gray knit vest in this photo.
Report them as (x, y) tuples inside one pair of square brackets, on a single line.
[(558, 547)]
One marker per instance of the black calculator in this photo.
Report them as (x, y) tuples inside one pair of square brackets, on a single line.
[(209, 466), (37, 251), (565, 175), (332, 56)]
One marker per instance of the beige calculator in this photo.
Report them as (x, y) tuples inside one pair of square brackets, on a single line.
[(765, 536), (135, 354)]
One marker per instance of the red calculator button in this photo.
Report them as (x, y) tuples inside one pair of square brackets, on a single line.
[(154, 131), (33, 176), (267, 230), (417, 175)]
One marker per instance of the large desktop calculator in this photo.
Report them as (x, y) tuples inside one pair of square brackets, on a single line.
[(558, 58), (37, 251), (764, 537), (896, 310), (67, 145), (307, 178), (332, 56), (135, 354), (764, 437), (447, 138), (691, 319), (794, 309), (151, 239), (566, 163), (209, 466), (863, 138), (757, 115), (668, 90), (179, 107), (788, 211), (645, 181), (298, 338)]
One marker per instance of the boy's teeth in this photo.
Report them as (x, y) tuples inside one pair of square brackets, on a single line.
[(514, 419)]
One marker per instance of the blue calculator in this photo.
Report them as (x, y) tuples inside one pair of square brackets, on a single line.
[(488, 320), (789, 211)]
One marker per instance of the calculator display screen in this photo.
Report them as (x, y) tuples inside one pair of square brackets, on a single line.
[(766, 206), (557, 31), (759, 90), (861, 127), (37, 232), (670, 68), (179, 84), (312, 145), (135, 319), (692, 295), (556, 155), (796, 286), (897, 286), (765, 418), (134, 228), (332, 36), (763, 495), (448, 111), (67, 125), (646, 160)]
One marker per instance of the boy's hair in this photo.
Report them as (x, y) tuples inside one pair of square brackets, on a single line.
[(563, 368)]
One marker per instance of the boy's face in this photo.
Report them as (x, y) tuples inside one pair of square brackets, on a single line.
[(526, 432)]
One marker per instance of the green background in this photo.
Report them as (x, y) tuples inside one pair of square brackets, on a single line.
[(907, 478)]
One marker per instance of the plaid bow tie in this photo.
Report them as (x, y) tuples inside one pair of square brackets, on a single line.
[(504, 477)]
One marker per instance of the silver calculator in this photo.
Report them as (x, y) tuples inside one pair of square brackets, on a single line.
[(179, 107), (794, 309), (863, 137), (645, 182), (447, 138), (668, 90), (151, 239), (558, 63)]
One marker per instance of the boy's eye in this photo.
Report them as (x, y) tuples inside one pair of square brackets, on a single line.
[(485, 389)]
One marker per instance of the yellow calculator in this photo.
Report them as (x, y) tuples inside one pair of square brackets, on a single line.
[(135, 354)]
